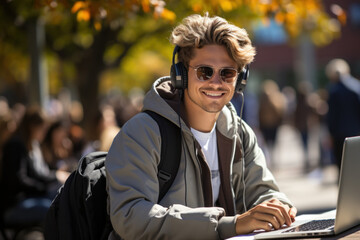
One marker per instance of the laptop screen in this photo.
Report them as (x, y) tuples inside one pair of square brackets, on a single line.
[(348, 204)]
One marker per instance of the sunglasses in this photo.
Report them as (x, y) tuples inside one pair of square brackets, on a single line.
[(204, 73)]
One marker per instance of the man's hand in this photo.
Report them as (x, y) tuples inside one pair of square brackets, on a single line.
[(268, 215)]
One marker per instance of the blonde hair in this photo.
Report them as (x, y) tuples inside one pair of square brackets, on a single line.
[(197, 31)]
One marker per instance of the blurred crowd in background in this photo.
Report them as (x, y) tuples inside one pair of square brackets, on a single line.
[(332, 112), (39, 148)]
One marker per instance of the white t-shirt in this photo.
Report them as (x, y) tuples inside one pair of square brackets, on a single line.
[(209, 147)]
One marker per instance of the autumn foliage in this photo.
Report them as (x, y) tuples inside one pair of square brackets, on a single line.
[(296, 16)]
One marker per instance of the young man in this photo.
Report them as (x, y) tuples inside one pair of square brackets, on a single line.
[(222, 171)]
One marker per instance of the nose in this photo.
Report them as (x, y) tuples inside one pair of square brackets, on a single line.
[(216, 79)]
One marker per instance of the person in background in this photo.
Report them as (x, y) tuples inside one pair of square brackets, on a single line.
[(105, 129), (302, 115), (343, 117), (272, 105), (7, 125), (27, 184), (223, 187), (57, 147)]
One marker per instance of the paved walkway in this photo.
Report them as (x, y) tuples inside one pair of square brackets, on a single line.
[(312, 192)]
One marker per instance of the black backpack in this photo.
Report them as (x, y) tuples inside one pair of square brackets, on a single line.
[(79, 211)]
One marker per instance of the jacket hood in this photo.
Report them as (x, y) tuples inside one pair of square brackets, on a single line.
[(164, 99)]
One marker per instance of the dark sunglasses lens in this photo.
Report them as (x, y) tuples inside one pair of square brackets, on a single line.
[(228, 74), (204, 73)]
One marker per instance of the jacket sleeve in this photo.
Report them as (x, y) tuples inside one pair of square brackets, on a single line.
[(260, 185), (131, 168)]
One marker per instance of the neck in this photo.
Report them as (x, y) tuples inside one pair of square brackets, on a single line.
[(198, 118), (201, 122)]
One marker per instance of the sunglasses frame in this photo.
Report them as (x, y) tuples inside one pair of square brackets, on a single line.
[(219, 70)]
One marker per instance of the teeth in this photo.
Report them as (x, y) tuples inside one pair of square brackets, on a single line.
[(214, 94)]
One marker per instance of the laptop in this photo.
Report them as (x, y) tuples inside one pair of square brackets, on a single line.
[(347, 212)]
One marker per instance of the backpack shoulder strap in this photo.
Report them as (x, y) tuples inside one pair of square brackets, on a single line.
[(170, 152)]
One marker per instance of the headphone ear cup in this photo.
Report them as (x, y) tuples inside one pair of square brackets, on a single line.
[(184, 74), (178, 76), (242, 79), (173, 76)]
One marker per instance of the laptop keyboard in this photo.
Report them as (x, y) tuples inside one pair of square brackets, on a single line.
[(313, 225)]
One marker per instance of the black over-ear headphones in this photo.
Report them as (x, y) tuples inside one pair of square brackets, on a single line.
[(179, 75), (242, 79), (178, 72)]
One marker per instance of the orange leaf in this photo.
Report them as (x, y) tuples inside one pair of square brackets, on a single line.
[(83, 15), (77, 6), (339, 12), (342, 18), (145, 5), (167, 14), (226, 5), (97, 26), (280, 17), (197, 7)]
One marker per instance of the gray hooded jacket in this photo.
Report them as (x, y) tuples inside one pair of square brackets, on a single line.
[(187, 210)]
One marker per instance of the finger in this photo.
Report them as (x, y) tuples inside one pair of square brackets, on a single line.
[(292, 213), (274, 200), (273, 212), (246, 223), (276, 211), (264, 225), (285, 210), (267, 221)]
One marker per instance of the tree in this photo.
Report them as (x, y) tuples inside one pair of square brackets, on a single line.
[(97, 35), (83, 32)]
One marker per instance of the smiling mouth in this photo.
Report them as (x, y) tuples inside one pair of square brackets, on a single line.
[(212, 94)]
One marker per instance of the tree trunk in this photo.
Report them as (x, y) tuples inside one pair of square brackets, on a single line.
[(38, 90), (89, 69), (88, 84)]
